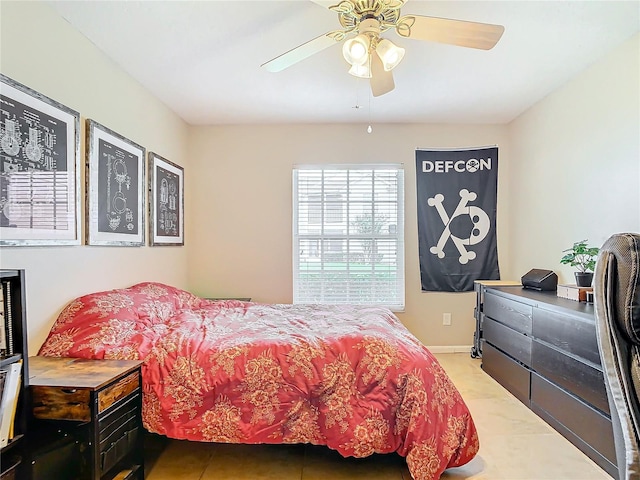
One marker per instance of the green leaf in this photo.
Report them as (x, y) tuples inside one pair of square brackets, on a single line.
[(582, 256)]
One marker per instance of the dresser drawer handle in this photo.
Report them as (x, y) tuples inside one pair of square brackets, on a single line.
[(69, 390)]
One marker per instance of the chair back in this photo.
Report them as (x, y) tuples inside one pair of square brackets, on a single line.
[(617, 306)]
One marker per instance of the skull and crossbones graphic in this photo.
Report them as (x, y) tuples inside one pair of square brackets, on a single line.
[(480, 220)]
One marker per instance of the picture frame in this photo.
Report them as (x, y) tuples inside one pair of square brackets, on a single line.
[(166, 202), (116, 188), (39, 169)]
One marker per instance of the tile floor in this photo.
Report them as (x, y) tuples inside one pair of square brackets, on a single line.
[(515, 445)]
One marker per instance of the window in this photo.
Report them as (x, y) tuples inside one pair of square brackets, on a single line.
[(348, 234), (332, 208)]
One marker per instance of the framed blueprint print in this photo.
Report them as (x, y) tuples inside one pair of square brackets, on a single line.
[(39, 169), (115, 188), (166, 200)]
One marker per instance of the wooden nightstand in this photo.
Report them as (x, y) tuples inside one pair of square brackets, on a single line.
[(97, 403)]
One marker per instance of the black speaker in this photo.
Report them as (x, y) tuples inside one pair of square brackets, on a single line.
[(537, 279)]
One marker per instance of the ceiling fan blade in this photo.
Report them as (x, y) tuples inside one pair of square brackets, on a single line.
[(326, 3), (381, 80), (483, 36), (301, 52)]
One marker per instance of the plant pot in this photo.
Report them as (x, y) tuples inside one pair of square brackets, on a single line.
[(584, 279)]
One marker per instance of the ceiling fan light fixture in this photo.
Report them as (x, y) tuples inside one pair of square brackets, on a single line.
[(361, 71), (390, 54), (373, 57), (356, 50)]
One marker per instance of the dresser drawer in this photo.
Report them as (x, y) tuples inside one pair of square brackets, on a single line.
[(571, 333), (119, 390), (587, 427), (514, 314), (579, 378), (509, 373), (61, 403), (64, 403), (508, 340)]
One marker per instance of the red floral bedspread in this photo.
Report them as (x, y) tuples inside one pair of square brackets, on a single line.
[(351, 378)]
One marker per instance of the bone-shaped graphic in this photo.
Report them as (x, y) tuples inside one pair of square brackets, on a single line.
[(479, 218)]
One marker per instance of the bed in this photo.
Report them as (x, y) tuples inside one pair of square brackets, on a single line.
[(351, 378)]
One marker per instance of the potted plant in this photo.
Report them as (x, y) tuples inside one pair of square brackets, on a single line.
[(584, 258)]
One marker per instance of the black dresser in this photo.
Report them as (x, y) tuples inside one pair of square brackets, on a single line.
[(543, 349)]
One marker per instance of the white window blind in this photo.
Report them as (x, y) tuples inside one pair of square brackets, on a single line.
[(348, 235)]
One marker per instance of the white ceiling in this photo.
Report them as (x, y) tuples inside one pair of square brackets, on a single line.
[(202, 58)]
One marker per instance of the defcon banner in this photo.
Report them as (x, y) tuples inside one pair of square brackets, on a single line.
[(457, 194)]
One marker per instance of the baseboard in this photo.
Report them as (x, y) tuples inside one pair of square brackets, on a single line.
[(450, 349)]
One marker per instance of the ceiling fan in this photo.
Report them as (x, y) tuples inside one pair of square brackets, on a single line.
[(372, 56)]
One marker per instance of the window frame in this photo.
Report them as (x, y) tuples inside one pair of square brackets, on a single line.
[(392, 238)]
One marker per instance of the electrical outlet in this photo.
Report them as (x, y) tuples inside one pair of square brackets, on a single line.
[(446, 319)]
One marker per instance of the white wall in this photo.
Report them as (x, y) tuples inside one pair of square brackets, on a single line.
[(242, 244), (575, 164), (40, 50)]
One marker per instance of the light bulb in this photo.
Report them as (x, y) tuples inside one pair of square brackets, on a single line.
[(390, 54), (392, 57), (356, 50), (369, 129)]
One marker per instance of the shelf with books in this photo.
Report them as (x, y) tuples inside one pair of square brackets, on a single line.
[(14, 377), (11, 385)]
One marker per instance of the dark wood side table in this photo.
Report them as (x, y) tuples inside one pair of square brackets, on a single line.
[(97, 402)]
